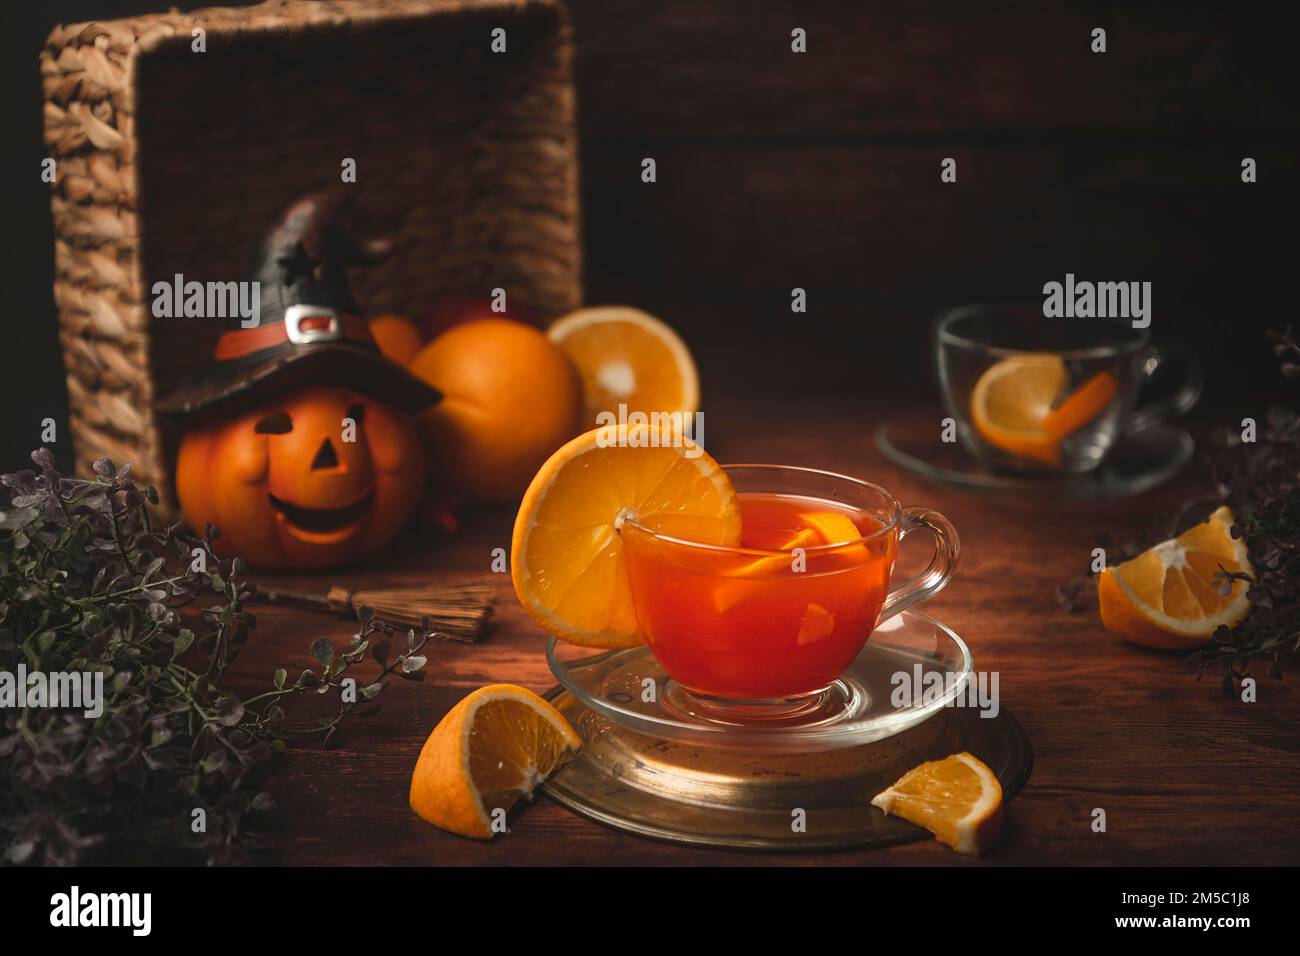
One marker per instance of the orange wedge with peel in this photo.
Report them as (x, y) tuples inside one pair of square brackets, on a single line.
[(492, 748), (566, 555), (628, 357), (958, 799), (1171, 596)]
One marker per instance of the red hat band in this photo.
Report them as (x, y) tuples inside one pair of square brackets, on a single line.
[(302, 325)]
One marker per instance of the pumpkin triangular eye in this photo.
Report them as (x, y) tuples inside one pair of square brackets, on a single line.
[(278, 423)]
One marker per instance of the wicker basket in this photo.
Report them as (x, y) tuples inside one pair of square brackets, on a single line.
[(173, 161)]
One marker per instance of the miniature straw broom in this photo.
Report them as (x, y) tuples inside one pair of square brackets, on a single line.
[(456, 611)]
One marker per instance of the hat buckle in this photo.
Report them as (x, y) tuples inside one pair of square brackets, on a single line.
[(305, 324)]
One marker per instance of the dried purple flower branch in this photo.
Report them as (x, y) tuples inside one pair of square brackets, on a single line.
[(88, 585)]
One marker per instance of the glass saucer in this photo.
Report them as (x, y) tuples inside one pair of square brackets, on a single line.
[(629, 688), (746, 799), (1138, 463)]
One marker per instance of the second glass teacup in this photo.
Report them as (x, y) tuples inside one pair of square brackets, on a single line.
[(764, 628), (1030, 393)]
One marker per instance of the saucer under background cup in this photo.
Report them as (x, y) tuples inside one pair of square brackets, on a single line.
[(1138, 462)]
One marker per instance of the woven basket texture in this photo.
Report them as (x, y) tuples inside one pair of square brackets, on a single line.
[(174, 161)]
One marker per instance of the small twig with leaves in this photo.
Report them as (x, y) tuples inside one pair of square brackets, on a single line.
[(353, 699)]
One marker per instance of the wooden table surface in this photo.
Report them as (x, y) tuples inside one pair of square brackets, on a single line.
[(1185, 776)]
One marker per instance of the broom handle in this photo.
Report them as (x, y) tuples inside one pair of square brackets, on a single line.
[(315, 602), (337, 600), (340, 599)]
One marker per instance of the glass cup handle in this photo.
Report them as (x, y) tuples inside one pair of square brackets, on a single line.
[(1181, 402), (943, 562)]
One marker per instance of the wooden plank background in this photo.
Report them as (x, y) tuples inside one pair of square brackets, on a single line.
[(821, 170)]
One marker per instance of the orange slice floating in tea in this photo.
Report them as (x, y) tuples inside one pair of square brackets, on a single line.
[(566, 556), (803, 538), (626, 356), (958, 799), (492, 748), (823, 528), (834, 527), (817, 623), (727, 594), (1169, 596)]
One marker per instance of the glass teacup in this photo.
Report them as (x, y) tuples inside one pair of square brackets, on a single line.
[(1031, 393), (766, 629)]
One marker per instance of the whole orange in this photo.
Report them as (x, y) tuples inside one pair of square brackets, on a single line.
[(398, 338), (459, 307), (510, 398)]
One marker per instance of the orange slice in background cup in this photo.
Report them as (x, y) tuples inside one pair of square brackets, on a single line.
[(1019, 406)]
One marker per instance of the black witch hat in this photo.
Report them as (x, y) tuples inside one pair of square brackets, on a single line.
[(309, 331)]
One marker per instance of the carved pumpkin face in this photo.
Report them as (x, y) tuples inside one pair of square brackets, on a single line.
[(292, 485)]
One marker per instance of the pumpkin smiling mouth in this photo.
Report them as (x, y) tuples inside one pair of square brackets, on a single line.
[(322, 520)]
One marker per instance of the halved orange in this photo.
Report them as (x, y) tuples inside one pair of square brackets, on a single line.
[(566, 555), (492, 748), (626, 356), (958, 799), (1169, 596)]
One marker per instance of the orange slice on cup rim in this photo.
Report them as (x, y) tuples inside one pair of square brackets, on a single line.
[(566, 555)]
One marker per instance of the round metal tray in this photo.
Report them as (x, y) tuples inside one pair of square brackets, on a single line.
[(690, 794)]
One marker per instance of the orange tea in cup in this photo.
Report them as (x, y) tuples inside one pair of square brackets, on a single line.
[(782, 615)]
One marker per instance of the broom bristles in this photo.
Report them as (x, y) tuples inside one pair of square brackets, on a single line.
[(459, 611)]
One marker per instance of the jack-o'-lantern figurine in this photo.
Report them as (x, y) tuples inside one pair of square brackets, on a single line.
[(298, 441)]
